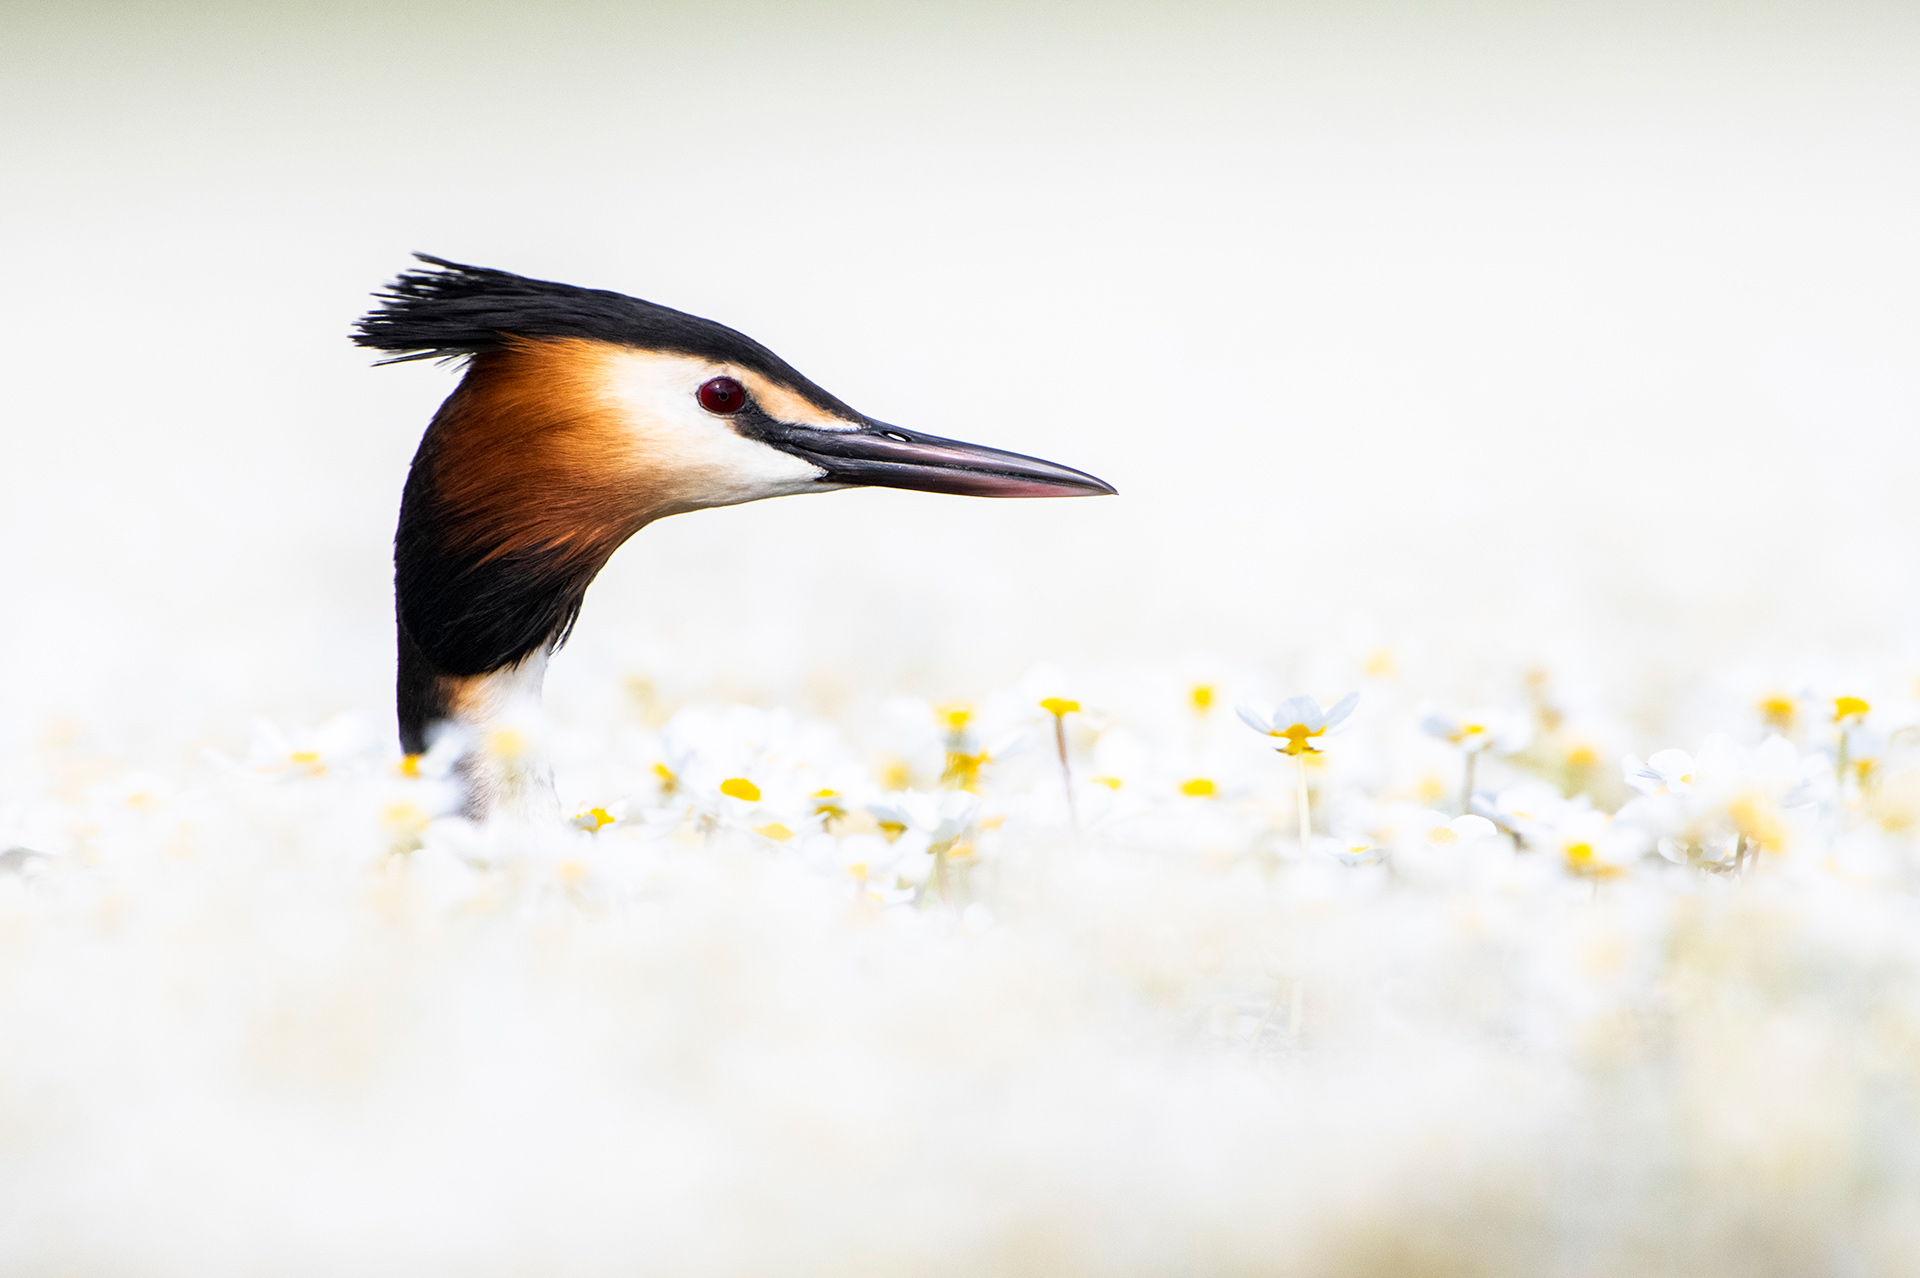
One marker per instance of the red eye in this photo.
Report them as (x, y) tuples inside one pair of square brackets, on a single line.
[(723, 395)]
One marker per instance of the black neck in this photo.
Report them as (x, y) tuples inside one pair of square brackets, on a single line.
[(466, 607), (422, 695)]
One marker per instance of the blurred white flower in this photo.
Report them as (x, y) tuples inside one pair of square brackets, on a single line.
[(597, 817), (1354, 850), (1591, 844), (1300, 724), (1502, 731), (1432, 847), (1458, 830), (1665, 772), (931, 826), (1711, 808), (938, 818), (342, 741), (1499, 731), (1525, 810)]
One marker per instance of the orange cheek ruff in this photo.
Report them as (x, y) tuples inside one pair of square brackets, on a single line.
[(523, 487)]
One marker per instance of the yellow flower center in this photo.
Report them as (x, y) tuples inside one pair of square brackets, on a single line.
[(1202, 697), (1059, 707), (1581, 861), (406, 817), (963, 770), (774, 830), (740, 788), (1297, 738), (1198, 788), (1844, 707), (1753, 816)]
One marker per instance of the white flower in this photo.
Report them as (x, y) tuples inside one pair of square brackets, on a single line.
[(342, 741), (1527, 810), (1588, 843), (1500, 730), (593, 817), (1667, 772), (1591, 844), (1356, 850), (1460, 829), (1431, 847), (1700, 807), (1301, 722), (883, 872), (939, 818), (920, 828)]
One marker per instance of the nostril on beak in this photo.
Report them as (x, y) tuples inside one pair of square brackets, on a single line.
[(896, 437)]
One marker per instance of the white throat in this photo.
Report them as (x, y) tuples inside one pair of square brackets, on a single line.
[(499, 726)]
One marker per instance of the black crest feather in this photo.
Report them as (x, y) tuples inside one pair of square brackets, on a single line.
[(453, 310)]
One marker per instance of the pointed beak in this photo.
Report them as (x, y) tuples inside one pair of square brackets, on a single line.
[(883, 456)]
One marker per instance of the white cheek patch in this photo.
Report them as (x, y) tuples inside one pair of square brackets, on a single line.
[(689, 458)]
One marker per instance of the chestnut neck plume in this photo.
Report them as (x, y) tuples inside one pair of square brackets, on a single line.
[(584, 415)]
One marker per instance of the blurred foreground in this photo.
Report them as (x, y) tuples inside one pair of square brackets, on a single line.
[(852, 996)]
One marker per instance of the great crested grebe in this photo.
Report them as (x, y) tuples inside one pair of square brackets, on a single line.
[(583, 416)]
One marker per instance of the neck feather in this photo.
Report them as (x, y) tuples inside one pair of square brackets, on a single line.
[(522, 488), (495, 726), (520, 491)]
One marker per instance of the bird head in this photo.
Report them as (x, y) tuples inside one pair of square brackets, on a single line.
[(586, 414)]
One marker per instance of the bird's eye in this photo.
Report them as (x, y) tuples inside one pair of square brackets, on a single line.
[(723, 395)]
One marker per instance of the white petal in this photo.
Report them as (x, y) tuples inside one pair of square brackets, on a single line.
[(1720, 758), (1776, 759), (1472, 827), (1255, 716), (1294, 710), (1671, 766)]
